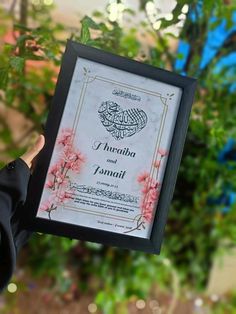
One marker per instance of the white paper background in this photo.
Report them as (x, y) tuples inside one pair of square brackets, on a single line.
[(89, 88)]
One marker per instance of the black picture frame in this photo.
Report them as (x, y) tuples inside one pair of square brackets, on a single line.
[(37, 181)]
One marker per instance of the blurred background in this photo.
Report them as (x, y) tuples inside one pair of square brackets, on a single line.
[(196, 271)]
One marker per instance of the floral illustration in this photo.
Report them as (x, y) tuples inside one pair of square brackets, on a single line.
[(150, 193), (70, 160)]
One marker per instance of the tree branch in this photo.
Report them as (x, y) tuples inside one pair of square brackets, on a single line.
[(12, 7), (167, 54)]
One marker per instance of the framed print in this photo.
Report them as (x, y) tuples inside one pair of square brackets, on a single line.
[(114, 140)]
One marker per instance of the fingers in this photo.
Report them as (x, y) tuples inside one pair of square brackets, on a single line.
[(33, 151)]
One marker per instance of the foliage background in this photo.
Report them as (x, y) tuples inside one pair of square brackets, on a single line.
[(198, 226)]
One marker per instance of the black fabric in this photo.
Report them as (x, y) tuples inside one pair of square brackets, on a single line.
[(14, 179)]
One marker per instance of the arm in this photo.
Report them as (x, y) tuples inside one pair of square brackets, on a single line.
[(14, 180), (13, 188)]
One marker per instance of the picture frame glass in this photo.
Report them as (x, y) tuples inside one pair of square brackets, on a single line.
[(109, 158)]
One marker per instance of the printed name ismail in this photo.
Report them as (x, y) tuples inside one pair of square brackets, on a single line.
[(116, 174)]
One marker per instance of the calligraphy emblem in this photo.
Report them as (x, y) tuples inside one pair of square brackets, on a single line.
[(121, 123)]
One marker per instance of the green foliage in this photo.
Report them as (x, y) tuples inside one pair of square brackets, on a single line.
[(85, 33), (27, 70), (17, 64), (228, 305), (53, 261), (195, 227)]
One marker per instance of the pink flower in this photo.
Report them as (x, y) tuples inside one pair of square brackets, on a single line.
[(152, 194), (150, 183), (148, 216), (147, 211), (142, 177), (145, 189), (80, 157), (54, 169), (63, 196), (157, 163), (61, 179), (76, 166), (70, 155), (74, 160), (65, 137), (68, 164), (49, 184), (46, 206), (69, 160), (162, 152)]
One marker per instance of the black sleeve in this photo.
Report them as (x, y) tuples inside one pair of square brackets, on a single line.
[(14, 180)]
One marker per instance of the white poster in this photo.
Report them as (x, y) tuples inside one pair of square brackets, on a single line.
[(109, 159)]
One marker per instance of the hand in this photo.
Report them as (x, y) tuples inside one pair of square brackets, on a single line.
[(33, 151)]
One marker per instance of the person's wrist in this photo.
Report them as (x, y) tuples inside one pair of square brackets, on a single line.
[(23, 162), (32, 152)]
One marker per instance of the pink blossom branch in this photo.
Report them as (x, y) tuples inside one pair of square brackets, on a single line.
[(150, 190), (70, 160)]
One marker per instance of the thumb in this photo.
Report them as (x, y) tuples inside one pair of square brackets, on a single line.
[(33, 151)]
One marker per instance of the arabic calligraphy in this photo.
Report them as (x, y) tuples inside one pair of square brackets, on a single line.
[(121, 93), (105, 193), (121, 123)]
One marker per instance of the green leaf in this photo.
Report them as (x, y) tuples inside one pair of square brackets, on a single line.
[(90, 22), (85, 33), (100, 297), (21, 39), (21, 27), (17, 63), (97, 14), (8, 48), (4, 77)]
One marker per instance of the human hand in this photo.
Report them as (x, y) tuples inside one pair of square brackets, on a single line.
[(33, 151)]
